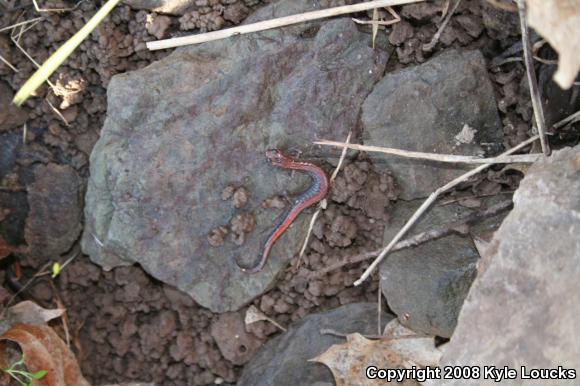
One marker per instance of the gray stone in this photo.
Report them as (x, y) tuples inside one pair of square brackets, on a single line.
[(284, 359), (423, 108), (54, 218), (524, 306), (181, 130), (427, 284)]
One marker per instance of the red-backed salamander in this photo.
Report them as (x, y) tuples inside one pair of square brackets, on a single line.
[(315, 193)]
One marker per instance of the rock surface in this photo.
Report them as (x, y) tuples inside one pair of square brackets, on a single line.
[(181, 130), (427, 284), (54, 219), (524, 306), (423, 108), (284, 359)]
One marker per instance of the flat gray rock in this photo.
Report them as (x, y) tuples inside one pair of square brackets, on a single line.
[(427, 284), (181, 130), (423, 108), (524, 307), (284, 360)]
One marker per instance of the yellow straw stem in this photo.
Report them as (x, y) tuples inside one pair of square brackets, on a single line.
[(60, 55)]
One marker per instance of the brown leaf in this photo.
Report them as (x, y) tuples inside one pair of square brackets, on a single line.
[(558, 21), (401, 348), (44, 350)]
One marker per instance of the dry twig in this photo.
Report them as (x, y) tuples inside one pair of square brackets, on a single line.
[(273, 23), (571, 118), (330, 331), (450, 158), (385, 23), (38, 9), (322, 204), (429, 46), (533, 82), (420, 238), (375, 22), (427, 203), (20, 23), (5, 61), (24, 287), (57, 112)]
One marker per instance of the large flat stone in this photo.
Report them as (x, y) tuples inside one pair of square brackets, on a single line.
[(181, 130), (423, 108), (427, 284), (523, 309), (284, 360)]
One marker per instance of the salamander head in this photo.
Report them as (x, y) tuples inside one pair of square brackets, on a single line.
[(277, 158)]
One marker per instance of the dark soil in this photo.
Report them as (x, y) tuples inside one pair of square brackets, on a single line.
[(124, 324)]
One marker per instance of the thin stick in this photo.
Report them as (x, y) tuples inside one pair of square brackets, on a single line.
[(533, 82), (330, 331), (57, 112), (379, 307), (536, 47), (375, 27), (323, 203), (38, 9), (8, 64), (19, 24), (273, 23), (524, 158), (64, 316), (24, 133), (428, 203), (15, 40), (565, 121), (342, 157), (420, 238), (28, 283), (23, 29), (378, 22), (429, 46)]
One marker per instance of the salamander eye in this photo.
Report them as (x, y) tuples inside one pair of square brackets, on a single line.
[(274, 155)]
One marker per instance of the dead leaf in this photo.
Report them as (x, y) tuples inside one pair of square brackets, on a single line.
[(30, 312), (254, 315), (558, 21), (44, 350), (402, 348)]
